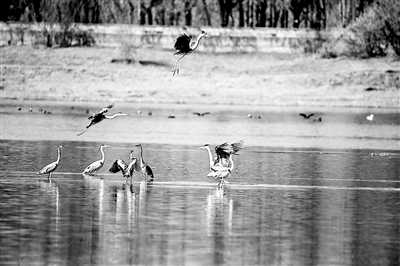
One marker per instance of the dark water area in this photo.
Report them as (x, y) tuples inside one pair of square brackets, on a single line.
[(301, 193)]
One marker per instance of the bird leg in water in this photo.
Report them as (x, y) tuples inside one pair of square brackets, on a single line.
[(176, 70)]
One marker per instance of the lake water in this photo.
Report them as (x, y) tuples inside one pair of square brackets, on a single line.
[(302, 192)]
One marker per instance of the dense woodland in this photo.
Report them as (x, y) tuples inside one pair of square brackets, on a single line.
[(315, 14)]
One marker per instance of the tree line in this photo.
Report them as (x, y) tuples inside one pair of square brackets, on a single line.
[(314, 14)]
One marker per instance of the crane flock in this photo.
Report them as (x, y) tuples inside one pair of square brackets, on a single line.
[(221, 166)]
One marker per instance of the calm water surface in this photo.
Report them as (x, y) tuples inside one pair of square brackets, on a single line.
[(299, 205)]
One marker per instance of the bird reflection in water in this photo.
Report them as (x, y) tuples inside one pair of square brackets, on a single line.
[(219, 221), (52, 192)]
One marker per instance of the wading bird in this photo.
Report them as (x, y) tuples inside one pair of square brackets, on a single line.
[(222, 153), (221, 172), (126, 169), (201, 114), (100, 116), (50, 168), (222, 164), (97, 165), (146, 170), (306, 116), (184, 45)]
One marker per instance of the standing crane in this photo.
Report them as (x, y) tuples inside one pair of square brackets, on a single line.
[(97, 165), (50, 168), (146, 170), (100, 116), (184, 45), (126, 169), (221, 165)]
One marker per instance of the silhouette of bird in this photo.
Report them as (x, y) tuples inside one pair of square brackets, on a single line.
[(318, 120), (146, 170), (221, 165), (171, 116), (97, 165), (370, 117), (184, 45), (201, 114), (50, 168), (100, 116), (306, 116), (126, 169)]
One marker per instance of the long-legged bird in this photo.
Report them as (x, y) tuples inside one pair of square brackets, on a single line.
[(97, 165), (126, 169), (184, 45), (100, 116), (221, 165), (146, 170), (50, 168)]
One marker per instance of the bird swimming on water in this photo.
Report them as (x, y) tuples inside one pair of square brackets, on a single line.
[(370, 117), (184, 45), (126, 169), (221, 165), (50, 168), (146, 170), (100, 116), (97, 165)]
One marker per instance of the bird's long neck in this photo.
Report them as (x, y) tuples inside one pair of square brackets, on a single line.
[(141, 157), (112, 116), (196, 43), (59, 155), (231, 163), (103, 156), (210, 157)]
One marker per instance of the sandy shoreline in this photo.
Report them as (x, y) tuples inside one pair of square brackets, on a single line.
[(87, 75)]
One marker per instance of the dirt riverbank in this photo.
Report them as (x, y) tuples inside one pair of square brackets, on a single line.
[(88, 74)]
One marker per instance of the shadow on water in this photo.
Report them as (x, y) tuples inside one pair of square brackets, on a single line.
[(280, 207)]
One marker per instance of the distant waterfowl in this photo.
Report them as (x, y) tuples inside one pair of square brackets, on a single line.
[(30, 109), (249, 115), (370, 117), (221, 165), (19, 108), (318, 120), (171, 116), (50, 168), (97, 165), (201, 114), (100, 116), (146, 170), (184, 45), (150, 113), (126, 169), (306, 116)]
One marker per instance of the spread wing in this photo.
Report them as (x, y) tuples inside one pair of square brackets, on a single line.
[(133, 166), (182, 43), (118, 165), (225, 149), (106, 109)]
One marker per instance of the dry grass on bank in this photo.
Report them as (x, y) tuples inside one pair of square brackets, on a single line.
[(87, 74)]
